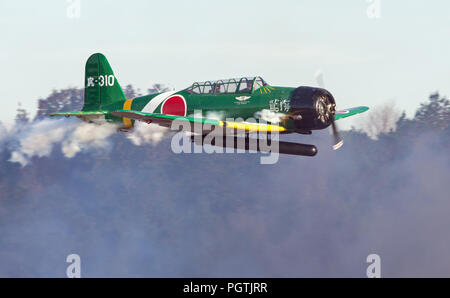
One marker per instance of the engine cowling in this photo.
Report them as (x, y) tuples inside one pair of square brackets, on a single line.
[(312, 108)]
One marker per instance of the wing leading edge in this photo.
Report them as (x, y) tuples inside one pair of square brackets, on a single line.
[(349, 112), (166, 120)]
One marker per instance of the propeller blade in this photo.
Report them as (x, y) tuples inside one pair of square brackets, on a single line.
[(338, 142)]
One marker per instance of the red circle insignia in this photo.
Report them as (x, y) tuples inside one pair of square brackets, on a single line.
[(174, 105)]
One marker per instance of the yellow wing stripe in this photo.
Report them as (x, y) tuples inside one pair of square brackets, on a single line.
[(251, 127), (127, 106)]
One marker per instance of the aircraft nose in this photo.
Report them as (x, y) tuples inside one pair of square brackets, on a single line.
[(312, 108)]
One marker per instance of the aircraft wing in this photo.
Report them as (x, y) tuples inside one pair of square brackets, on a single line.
[(349, 112), (166, 120)]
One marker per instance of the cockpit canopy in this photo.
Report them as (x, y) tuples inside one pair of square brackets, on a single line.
[(240, 85)]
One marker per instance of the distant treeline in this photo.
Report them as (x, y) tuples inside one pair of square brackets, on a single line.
[(145, 211)]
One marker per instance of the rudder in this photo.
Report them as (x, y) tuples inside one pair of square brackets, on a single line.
[(101, 86)]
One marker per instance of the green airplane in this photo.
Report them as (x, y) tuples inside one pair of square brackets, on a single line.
[(275, 109)]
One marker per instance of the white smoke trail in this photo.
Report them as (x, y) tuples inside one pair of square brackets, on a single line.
[(87, 136), (269, 116), (40, 137), (213, 115), (219, 115), (36, 139), (144, 133)]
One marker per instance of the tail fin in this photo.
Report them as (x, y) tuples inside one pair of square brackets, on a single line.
[(101, 86)]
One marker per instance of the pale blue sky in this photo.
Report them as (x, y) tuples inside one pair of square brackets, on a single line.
[(402, 56)]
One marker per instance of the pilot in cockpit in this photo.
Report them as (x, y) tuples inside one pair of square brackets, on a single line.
[(248, 88)]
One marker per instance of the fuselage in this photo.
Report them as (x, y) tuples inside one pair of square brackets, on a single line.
[(270, 104), (236, 105), (299, 109)]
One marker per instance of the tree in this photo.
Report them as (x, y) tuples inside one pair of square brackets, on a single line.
[(157, 88), (22, 115), (381, 120), (130, 92), (65, 100), (435, 113)]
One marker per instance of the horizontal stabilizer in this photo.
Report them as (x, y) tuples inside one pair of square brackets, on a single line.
[(67, 114)]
